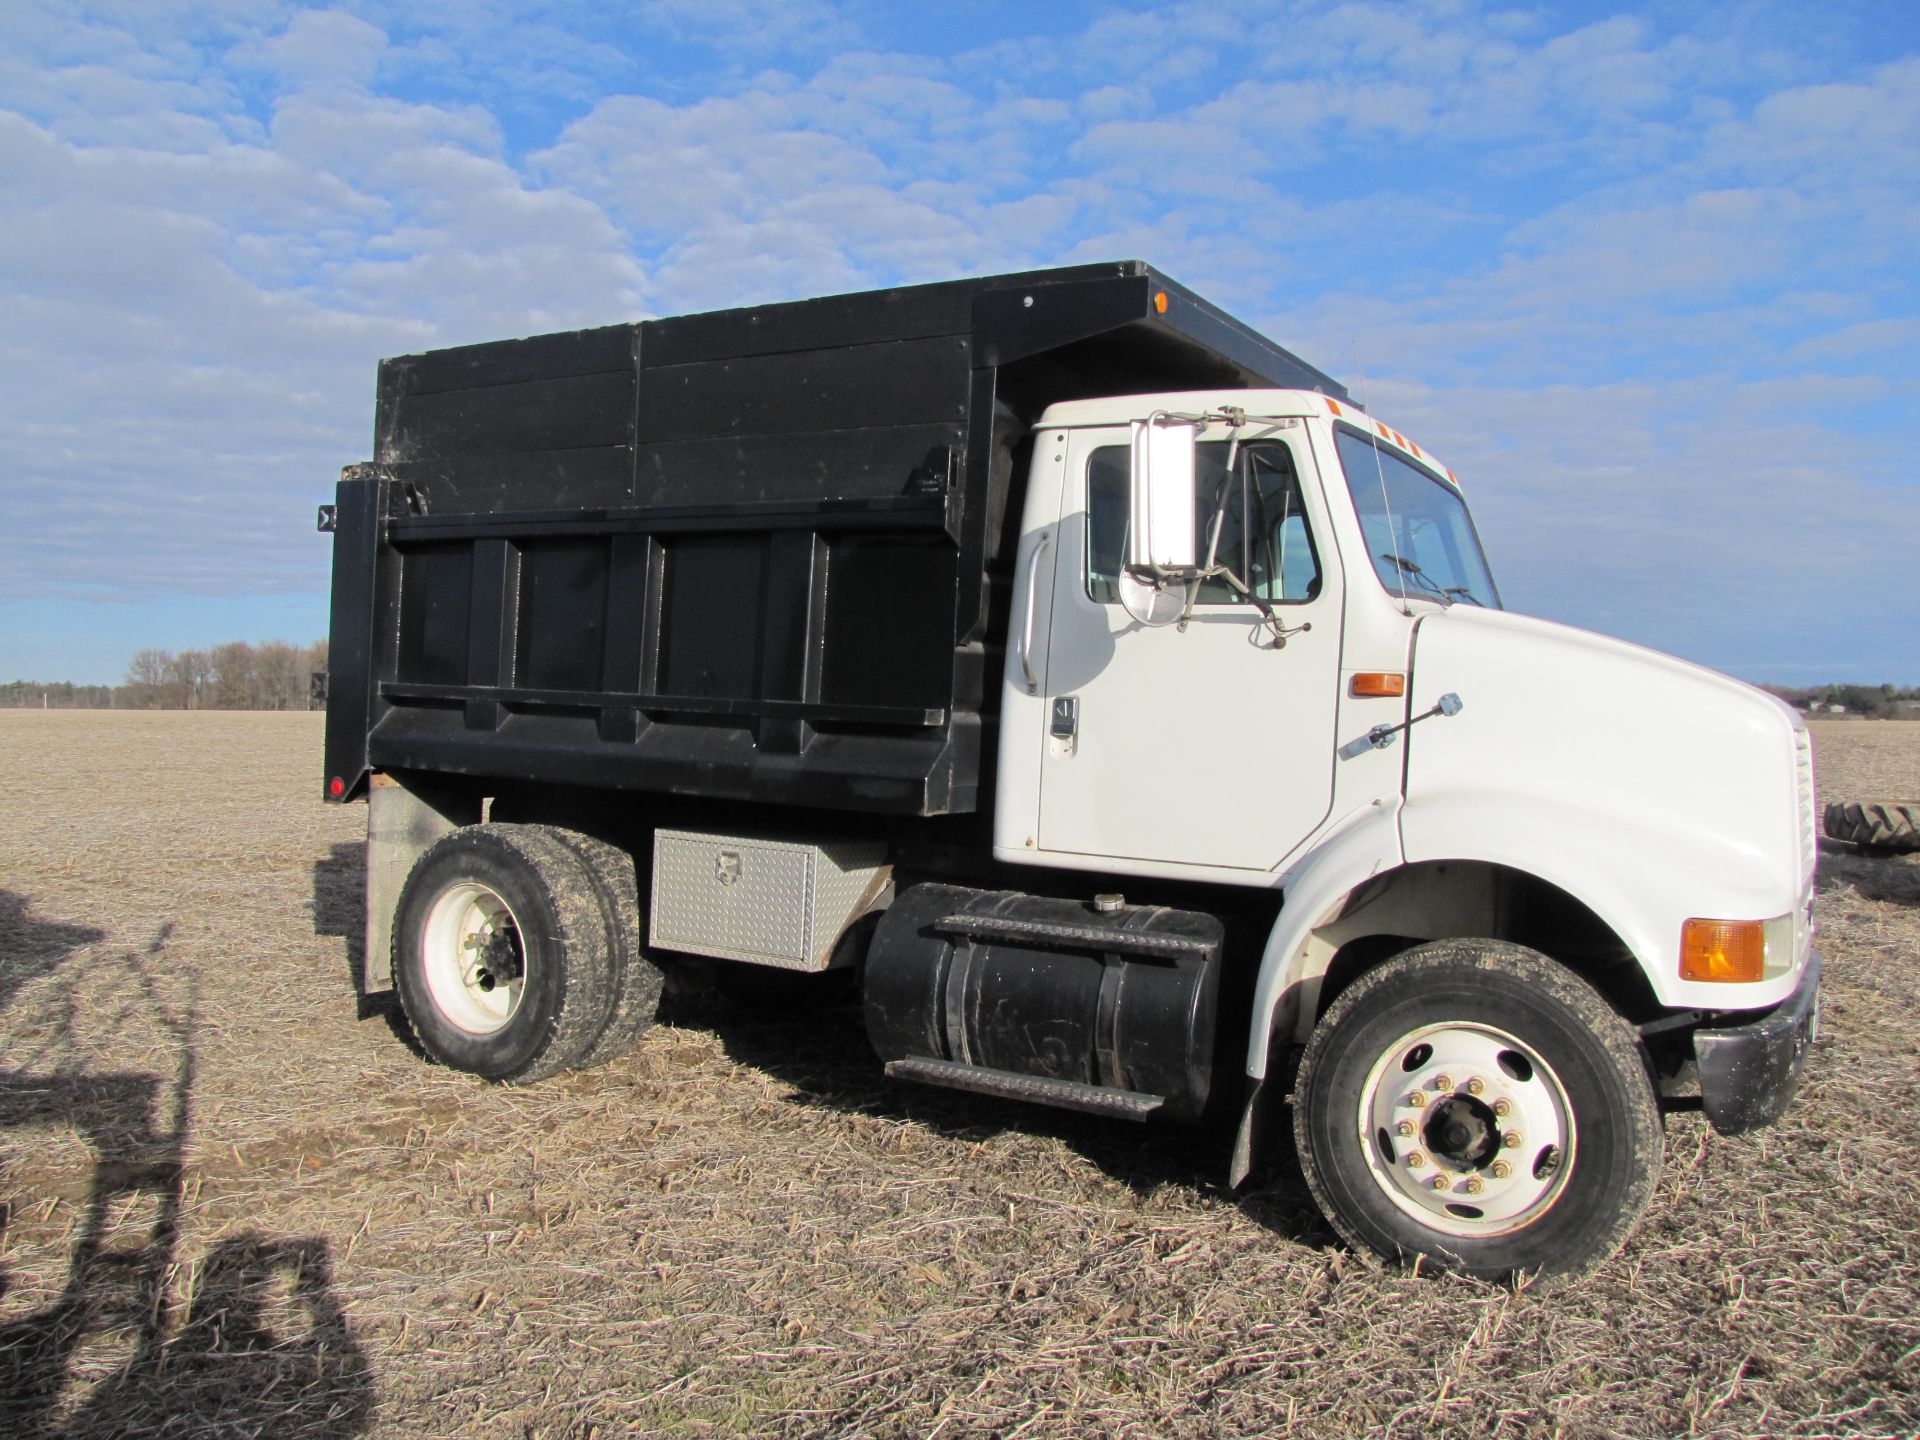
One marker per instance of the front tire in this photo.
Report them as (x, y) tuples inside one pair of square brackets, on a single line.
[(501, 960), (1476, 1107)]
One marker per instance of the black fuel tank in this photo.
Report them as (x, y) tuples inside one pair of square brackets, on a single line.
[(1028, 985)]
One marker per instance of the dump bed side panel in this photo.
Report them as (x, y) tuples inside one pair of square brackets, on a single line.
[(750, 555)]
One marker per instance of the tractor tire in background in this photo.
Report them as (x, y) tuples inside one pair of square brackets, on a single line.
[(1878, 825)]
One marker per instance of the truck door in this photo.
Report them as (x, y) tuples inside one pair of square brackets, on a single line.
[(1209, 745)]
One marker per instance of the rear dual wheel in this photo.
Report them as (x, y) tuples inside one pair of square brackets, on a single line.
[(1475, 1107), (516, 952)]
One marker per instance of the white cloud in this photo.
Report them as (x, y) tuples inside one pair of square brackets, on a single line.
[(318, 48)]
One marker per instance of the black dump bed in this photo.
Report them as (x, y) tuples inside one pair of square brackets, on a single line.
[(758, 554)]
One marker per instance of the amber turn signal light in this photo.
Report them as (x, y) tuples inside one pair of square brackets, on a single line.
[(1379, 684), (1723, 950)]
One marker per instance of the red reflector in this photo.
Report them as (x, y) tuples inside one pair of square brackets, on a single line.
[(336, 787)]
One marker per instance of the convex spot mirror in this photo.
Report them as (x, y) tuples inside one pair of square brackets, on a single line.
[(1160, 530)]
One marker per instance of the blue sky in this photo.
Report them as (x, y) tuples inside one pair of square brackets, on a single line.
[(1645, 277)]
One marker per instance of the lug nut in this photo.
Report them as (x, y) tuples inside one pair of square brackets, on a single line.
[(1503, 1106), (1501, 1169), (1405, 1129), (1511, 1139), (1417, 1099), (1443, 1082), (1476, 1086), (1415, 1160), (1473, 1186), (1439, 1182)]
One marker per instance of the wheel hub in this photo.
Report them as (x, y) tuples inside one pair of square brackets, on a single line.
[(474, 960), (1467, 1129), (1462, 1132)]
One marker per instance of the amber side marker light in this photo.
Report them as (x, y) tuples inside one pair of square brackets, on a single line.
[(1160, 302), (1379, 684), (1723, 950)]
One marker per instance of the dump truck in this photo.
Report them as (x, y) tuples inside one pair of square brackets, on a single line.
[(1093, 687)]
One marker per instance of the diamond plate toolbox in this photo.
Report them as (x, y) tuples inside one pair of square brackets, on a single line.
[(781, 903)]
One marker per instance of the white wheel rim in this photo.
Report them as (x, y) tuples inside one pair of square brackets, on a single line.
[(474, 963), (1467, 1130)]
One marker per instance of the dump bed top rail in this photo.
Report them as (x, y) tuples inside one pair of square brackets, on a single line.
[(748, 554)]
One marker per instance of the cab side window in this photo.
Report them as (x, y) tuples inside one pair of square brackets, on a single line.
[(1264, 537)]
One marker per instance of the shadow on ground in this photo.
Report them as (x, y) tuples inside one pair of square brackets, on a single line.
[(824, 1055), (31, 947), (1879, 875), (245, 1339)]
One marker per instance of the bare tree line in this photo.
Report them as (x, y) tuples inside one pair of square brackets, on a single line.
[(234, 676)]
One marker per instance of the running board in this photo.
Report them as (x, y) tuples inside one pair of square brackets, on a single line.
[(1066, 1094)]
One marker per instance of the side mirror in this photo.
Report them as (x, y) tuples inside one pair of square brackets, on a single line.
[(1161, 535)]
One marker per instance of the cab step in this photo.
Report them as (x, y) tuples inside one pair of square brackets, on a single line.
[(1065, 1094)]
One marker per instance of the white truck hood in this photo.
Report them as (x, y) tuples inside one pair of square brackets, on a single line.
[(1652, 789)]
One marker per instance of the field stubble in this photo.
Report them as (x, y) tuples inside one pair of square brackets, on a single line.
[(235, 1202)]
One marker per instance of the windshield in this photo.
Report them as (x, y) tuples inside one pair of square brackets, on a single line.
[(1419, 535)]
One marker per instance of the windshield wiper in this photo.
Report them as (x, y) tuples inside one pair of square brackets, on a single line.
[(1432, 589)]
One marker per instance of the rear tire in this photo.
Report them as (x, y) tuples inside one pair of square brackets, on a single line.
[(1879, 825), (1538, 1153), (501, 958), (637, 981)]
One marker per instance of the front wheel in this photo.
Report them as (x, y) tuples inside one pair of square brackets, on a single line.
[(1476, 1106)]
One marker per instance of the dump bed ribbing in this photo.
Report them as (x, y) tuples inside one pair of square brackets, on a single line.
[(749, 554)]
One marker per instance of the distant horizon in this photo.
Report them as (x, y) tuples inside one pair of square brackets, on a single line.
[(121, 680)]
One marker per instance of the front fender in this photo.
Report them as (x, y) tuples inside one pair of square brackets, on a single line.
[(1364, 844), (1643, 873)]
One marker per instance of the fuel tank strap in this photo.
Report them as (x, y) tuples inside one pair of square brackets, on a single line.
[(1055, 934)]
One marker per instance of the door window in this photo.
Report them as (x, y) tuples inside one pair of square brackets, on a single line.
[(1264, 537)]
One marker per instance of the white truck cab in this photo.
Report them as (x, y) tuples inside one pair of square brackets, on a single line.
[(1321, 695)]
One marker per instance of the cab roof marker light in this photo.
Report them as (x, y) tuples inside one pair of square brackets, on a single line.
[(1334, 406)]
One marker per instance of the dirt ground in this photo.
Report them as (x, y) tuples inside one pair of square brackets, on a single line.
[(236, 1203)]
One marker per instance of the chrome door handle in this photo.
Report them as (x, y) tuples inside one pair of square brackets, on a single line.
[(1033, 597)]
